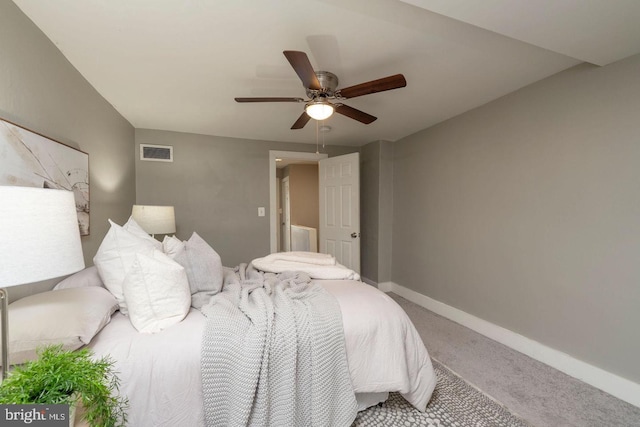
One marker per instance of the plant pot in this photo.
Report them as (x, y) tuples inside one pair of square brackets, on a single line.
[(76, 412), (72, 414)]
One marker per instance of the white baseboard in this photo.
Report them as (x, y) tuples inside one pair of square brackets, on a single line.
[(615, 385), (369, 281), (388, 287)]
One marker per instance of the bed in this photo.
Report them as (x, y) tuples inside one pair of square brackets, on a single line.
[(161, 373)]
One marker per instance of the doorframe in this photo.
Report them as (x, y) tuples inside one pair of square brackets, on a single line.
[(286, 215), (273, 217), (278, 214)]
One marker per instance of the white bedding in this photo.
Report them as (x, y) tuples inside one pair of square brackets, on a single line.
[(316, 265), (160, 373)]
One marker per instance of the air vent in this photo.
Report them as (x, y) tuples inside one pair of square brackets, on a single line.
[(156, 153)]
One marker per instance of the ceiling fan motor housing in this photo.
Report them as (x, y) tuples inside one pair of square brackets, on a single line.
[(328, 82)]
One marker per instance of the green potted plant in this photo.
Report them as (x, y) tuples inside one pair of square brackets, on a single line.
[(59, 376)]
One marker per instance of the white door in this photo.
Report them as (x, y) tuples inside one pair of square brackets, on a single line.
[(279, 213), (286, 214), (340, 209)]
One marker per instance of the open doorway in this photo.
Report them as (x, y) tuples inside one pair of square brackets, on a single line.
[(299, 208), (338, 233), (278, 234)]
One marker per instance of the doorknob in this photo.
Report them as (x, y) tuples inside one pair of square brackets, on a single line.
[(354, 235)]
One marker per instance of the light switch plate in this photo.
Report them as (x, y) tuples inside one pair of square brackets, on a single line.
[(261, 211)]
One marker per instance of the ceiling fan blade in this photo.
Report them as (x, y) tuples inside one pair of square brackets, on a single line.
[(374, 86), (269, 99), (302, 120), (300, 63), (355, 114)]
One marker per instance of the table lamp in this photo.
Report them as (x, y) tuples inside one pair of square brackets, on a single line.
[(155, 219), (39, 240)]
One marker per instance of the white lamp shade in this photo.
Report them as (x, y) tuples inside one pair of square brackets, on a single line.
[(155, 219), (319, 110), (39, 235)]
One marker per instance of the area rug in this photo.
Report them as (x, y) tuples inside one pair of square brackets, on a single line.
[(454, 403)]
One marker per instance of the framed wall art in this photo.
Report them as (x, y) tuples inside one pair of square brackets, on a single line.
[(29, 159)]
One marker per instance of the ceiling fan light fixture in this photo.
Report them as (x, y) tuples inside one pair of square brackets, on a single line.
[(321, 86), (319, 110)]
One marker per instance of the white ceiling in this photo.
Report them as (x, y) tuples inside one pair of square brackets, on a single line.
[(178, 64)]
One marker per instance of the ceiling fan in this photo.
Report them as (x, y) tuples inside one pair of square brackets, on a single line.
[(321, 88)]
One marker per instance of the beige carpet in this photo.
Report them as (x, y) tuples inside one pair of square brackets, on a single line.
[(538, 393)]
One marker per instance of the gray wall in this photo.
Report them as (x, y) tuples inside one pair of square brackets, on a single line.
[(376, 207), (369, 200), (385, 211), (42, 91), (216, 185), (526, 213)]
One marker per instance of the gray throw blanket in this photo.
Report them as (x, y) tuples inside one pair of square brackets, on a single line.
[(273, 353)]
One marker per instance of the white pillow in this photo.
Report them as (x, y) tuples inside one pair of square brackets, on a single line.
[(71, 317), (115, 257), (157, 292), (172, 246), (83, 278), (134, 228), (203, 265)]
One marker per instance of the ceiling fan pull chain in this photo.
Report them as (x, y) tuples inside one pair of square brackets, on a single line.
[(317, 131)]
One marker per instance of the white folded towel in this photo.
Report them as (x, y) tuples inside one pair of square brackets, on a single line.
[(310, 264), (304, 257)]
